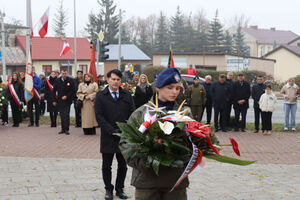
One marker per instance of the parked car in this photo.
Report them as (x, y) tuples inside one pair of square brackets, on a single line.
[(190, 79)]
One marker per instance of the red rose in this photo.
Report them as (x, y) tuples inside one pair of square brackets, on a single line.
[(159, 141)]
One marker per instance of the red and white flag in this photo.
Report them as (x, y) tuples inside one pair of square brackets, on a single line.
[(43, 24), (65, 49)]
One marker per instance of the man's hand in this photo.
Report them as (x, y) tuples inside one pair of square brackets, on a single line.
[(241, 102), (87, 98), (54, 103), (64, 98)]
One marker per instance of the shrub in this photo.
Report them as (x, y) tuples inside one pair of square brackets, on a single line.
[(151, 71), (297, 80)]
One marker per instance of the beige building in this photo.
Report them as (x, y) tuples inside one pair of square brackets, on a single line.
[(216, 61), (287, 61), (261, 41)]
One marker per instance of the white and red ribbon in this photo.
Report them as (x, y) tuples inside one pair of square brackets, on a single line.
[(51, 88), (148, 120), (37, 95), (14, 94)]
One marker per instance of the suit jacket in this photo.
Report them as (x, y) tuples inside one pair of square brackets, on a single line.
[(64, 88), (241, 92), (108, 112)]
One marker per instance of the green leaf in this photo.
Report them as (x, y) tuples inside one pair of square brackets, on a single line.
[(164, 159), (225, 159), (149, 161), (155, 166), (180, 125), (144, 149), (179, 146)]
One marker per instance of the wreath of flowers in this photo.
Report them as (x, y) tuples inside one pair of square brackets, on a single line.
[(173, 139), (3, 100)]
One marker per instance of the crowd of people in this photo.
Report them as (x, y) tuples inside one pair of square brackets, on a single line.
[(104, 102)]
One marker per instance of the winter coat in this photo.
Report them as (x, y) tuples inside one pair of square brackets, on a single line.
[(88, 117), (49, 95), (196, 95), (257, 91), (64, 88), (19, 88), (144, 177), (241, 92), (220, 93), (140, 97), (290, 93), (208, 93), (267, 102), (36, 82), (183, 91), (191, 71), (108, 112)]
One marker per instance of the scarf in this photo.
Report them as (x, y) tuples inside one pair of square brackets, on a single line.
[(169, 105)]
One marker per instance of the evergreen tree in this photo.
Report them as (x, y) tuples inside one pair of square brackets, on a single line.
[(143, 42), (125, 37), (201, 40), (190, 37), (239, 44), (106, 20), (162, 35), (215, 35), (60, 20), (177, 31), (228, 45)]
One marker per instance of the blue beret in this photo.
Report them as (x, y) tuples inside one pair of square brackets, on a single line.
[(167, 77), (196, 77)]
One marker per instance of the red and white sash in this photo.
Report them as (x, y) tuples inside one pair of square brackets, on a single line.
[(51, 88), (37, 95), (14, 94)]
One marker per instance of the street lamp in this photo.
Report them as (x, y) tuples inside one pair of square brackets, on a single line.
[(3, 46)]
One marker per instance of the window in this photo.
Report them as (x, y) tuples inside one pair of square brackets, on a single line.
[(83, 68), (47, 69)]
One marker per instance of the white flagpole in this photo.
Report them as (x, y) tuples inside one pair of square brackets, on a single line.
[(119, 56), (75, 42), (3, 46), (28, 24)]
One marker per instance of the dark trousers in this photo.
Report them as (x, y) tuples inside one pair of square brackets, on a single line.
[(257, 115), (228, 112), (4, 114), (53, 117), (266, 121), (107, 159), (208, 109), (15, 109), (34, 101), (197, 112), (77, 115), (220, 111), (42, 107), (64, 111), (240, 110)]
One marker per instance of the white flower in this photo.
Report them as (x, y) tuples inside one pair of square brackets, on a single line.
[(1, 104), (1, 89), (2, 98), (166, 127)]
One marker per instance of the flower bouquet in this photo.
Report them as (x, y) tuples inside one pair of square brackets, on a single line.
[(128, 87), (173, 139), (3, 100)]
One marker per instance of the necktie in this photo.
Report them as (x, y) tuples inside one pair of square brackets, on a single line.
[(115, 96)]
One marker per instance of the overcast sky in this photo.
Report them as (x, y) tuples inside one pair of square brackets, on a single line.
[(284, 15)]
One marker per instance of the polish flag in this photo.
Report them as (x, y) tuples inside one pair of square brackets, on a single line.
[(65, 49), (43, 24)]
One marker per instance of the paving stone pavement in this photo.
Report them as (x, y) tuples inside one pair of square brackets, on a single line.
[(80, 179)]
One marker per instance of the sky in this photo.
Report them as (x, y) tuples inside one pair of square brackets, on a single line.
[(283, 15)]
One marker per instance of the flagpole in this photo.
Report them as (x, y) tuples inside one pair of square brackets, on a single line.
[(75, 42), (28, 24), (3, 46), (119, 57)]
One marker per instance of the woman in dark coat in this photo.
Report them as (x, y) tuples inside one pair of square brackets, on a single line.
[(49, 96), (143, 91), (15, 95)]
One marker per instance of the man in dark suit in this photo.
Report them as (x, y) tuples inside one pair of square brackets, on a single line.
[(64, 86), (77, 81), (229, 80), (240, 95), (220, 93), (112, 105), (257, 90)]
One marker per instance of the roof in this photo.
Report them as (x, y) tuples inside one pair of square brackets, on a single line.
[(128, 52), (293, 49), (294, 40), (14, 56), (268, 36), (49, 48), (208, 54)]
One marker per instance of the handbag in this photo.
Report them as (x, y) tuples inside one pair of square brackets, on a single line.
[(78, 104)]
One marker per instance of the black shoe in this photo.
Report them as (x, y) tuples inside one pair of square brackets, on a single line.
[(30, 125), (236, 130), (121, 194), (67, 132), (15, 125), (37, 124), (243, 130), (228, 129), (224, 130), (256, 131), (61, 132), (216, 130), (109, 195)]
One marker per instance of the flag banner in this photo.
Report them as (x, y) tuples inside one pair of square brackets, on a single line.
[(93, 69), (43, 24), (65, 49), (28, 86), (14, 94), (171, 61)]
